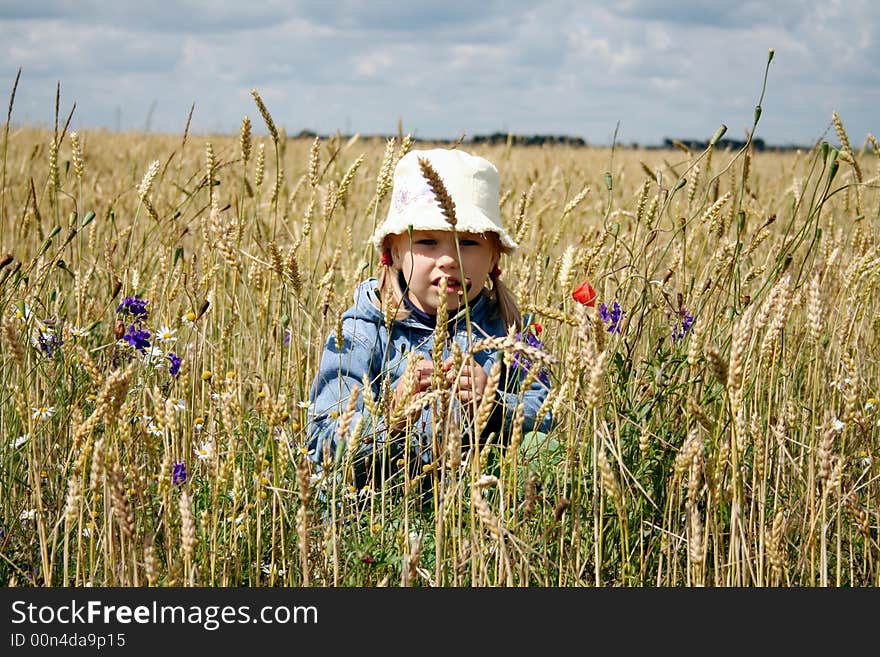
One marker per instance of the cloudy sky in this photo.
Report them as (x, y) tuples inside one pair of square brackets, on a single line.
[(658, 68)]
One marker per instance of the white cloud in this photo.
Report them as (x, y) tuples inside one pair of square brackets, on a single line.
[(660, 69)]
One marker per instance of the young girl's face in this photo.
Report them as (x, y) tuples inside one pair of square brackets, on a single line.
[(431, 255)]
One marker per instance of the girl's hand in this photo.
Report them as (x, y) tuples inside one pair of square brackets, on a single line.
[(424, 372), (470, 383)]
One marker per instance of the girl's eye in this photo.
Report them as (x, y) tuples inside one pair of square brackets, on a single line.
[(426, 241), (469, 242)]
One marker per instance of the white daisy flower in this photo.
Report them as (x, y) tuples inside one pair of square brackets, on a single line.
[(837, 425), (23, 314), (871, 404), (28, 514), (188, 319), (154, 430), (205, 450), (21, 440), (166, 334), (179, 403), (43, 412), (154, 355), (78, 331)]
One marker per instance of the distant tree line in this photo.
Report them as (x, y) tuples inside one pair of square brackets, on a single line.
[(568, 140), (696, 145), (527, 140)]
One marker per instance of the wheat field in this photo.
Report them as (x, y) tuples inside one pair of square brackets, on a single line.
[(165, 300)]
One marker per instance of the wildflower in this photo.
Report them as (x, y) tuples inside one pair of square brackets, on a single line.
[(137, 338), (198, 424), (205, 451), (174, 368), (523, 362), (133, 306), (870, 404), (28, 515), (21, 440), (272, 569), (585, 294), (179, 403), (687, 320), (178, 474), (154, 354), (188, 319), (22, 312), (165, 334), (154, 429), (611, 317), (78, 332), (837, 425), (287, 338), (47, 341), (43, 412)]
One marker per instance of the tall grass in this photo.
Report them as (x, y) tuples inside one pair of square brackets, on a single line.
[(738, 448)]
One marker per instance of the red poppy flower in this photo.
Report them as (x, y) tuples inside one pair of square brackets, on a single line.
[(585, 294)]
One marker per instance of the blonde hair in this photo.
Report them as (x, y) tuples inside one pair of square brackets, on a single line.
[(391, 295)]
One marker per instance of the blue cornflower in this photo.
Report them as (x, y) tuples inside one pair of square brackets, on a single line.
[(133, 306), (178, 474), (174, 368), (523, 362), (48, 340), (687, 320), (137, 338), (611, 317), (287, 338)]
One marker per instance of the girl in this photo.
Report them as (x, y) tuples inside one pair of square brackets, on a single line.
[(435, 264)]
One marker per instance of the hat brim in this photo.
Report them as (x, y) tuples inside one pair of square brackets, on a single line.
[(431, 218)]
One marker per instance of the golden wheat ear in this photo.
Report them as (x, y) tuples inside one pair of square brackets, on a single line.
[(447, 206)]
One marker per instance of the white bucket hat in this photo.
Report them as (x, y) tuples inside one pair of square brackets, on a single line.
[(473, 184)]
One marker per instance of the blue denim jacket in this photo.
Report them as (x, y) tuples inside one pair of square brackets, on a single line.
[(369, 349)]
